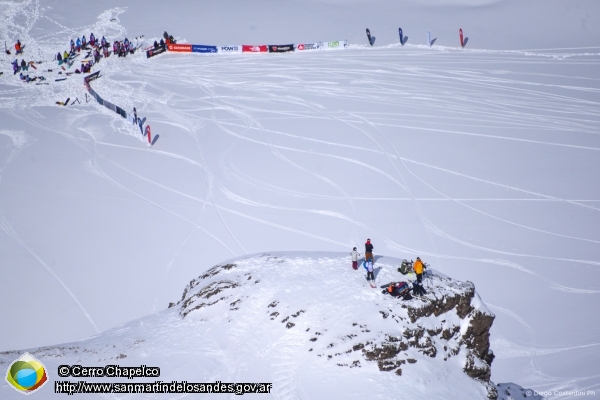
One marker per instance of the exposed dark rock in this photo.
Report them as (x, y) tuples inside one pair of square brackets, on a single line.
[(388, 365), (380, 353), (207, 292), (436, 306), (477, 336), (359, 346)]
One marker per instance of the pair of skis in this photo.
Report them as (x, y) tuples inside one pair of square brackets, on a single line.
[(66, 102)]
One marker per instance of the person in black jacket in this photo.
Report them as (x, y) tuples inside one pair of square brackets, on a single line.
[(368, 250)]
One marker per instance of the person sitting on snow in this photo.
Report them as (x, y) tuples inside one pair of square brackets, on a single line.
[(418, 289), (26, 78), (398, 289)]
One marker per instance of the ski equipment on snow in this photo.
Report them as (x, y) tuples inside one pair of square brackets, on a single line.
[(401, 37), (369, 37)]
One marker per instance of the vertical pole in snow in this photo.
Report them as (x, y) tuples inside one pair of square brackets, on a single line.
[(401, 38), (429, 38), (148, 134), (462, 43)]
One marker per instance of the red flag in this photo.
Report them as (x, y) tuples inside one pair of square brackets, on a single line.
[(462, 43)]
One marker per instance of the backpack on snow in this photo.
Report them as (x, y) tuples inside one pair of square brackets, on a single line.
[(405, 267)]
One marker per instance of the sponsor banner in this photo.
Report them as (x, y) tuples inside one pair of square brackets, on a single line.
[(155, 51), (181, 48), (307, 46), (280, 48), (340, 44), (121, 112), (230, 49), (200, 48), (91, 77), (246, 48)]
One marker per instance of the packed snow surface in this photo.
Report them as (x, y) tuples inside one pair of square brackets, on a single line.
[(482, 161)]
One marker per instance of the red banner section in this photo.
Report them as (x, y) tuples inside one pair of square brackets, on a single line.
[(254, 49), (181, 48)]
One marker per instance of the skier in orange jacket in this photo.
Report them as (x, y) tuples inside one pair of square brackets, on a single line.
[(418, 268)]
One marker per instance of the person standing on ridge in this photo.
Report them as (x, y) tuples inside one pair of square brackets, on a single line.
[(368, 250), (355, 254), (370, 275), (418, 268)]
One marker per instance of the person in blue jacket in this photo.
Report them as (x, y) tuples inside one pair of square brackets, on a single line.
[(78, 45)]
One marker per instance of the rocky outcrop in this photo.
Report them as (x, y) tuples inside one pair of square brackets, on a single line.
[(448, 324), (463, 329)]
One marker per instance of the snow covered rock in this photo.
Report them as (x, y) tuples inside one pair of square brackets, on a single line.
[(448, 325)]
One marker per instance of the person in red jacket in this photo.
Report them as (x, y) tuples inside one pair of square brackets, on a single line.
[(368, 250), (18, 47)]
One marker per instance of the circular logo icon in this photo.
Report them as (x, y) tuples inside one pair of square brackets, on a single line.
[(26, 374)]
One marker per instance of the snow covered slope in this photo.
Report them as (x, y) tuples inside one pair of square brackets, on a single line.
[(478, 160), (308, 324)]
